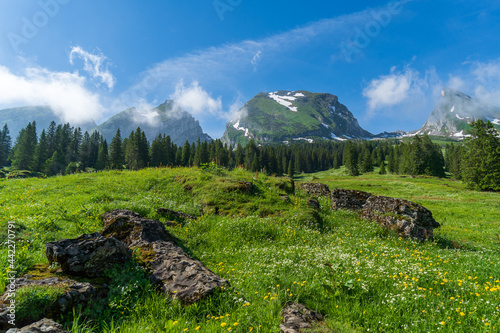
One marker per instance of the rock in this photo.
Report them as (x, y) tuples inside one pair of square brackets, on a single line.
[(172, 214), (297, 317), (315, 189), (313, 203), (87, 255), (348, 199), (410, 219), (73, 293), (285, 198), (43, 326), (240, 186), (172, 269)]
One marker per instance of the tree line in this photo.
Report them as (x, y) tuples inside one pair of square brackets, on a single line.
[(62, 149)]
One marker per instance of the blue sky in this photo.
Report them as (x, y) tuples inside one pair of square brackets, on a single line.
[(387, 61)]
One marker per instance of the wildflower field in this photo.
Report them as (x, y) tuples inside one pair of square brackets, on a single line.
[(361, 277)]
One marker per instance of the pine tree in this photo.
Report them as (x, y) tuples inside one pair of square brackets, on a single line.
[(24, 150), (117, 157), (41, 153), (351, 159), (290, 169), (481, 163), (382, 170), (186, 153), (102, 156), (157, 152), (5, 145)]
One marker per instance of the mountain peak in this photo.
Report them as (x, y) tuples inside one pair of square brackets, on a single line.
[(455, 112), (284, 116)]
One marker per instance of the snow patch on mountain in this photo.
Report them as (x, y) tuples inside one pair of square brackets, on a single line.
[(452, 109), (459, 117), (237, 127), (284, 100), (299, 95), (496, 122)]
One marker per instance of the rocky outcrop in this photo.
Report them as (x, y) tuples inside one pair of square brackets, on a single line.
[(43, 326), (178, 275), (315, 189), (408, 218), (348, 199), (297, 317), (87, 255), (73, 293)]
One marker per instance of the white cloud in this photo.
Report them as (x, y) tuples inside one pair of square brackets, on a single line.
[(389, 90), (225, 65), (403, 93), (95, 65), (487, 81), (195, 100), (64, 92), (255, 60)]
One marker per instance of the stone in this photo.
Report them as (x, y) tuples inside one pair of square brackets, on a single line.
[(297, 317), (43, 326), (88, 255), (315, 189), (348, 199), (177, 274), (410, 219), (313, 203), (285, 198), (74, 293), (240, 186)]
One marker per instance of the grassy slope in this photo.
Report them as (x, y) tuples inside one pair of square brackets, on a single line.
[(272, 253)]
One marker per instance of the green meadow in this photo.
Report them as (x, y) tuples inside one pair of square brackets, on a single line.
[(359, 276)]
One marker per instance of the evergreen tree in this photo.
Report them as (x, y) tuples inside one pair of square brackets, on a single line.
[(382, 170), (351, 159), (102, 156), (5, 145), (41, 153), (290, 169), (157, 152), (481, 163), (117, 157), (24, 150), (186, 154)]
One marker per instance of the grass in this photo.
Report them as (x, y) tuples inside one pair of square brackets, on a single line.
[(274, 252)]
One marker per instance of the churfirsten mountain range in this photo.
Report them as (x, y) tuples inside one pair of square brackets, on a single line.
[(276, 117)]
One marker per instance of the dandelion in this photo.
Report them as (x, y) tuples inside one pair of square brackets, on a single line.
[(223, 325)]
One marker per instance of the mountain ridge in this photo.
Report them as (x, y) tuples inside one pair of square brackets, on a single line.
[(293, 115)]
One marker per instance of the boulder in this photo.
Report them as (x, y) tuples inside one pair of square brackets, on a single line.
[(410, 219), (43, 326), (87, 255), (73, 293), (313, 203), (177, 274), (240, 186), (349, 199), (315, 189), (297, 317)]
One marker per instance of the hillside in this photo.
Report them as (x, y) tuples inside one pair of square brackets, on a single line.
[(164, 119), (298, 115), (17, 118), (454, 113), (273, 251)]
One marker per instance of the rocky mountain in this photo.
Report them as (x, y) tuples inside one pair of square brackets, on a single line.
[(18, 118), (164, 119), (454, 113), (293, 115)]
